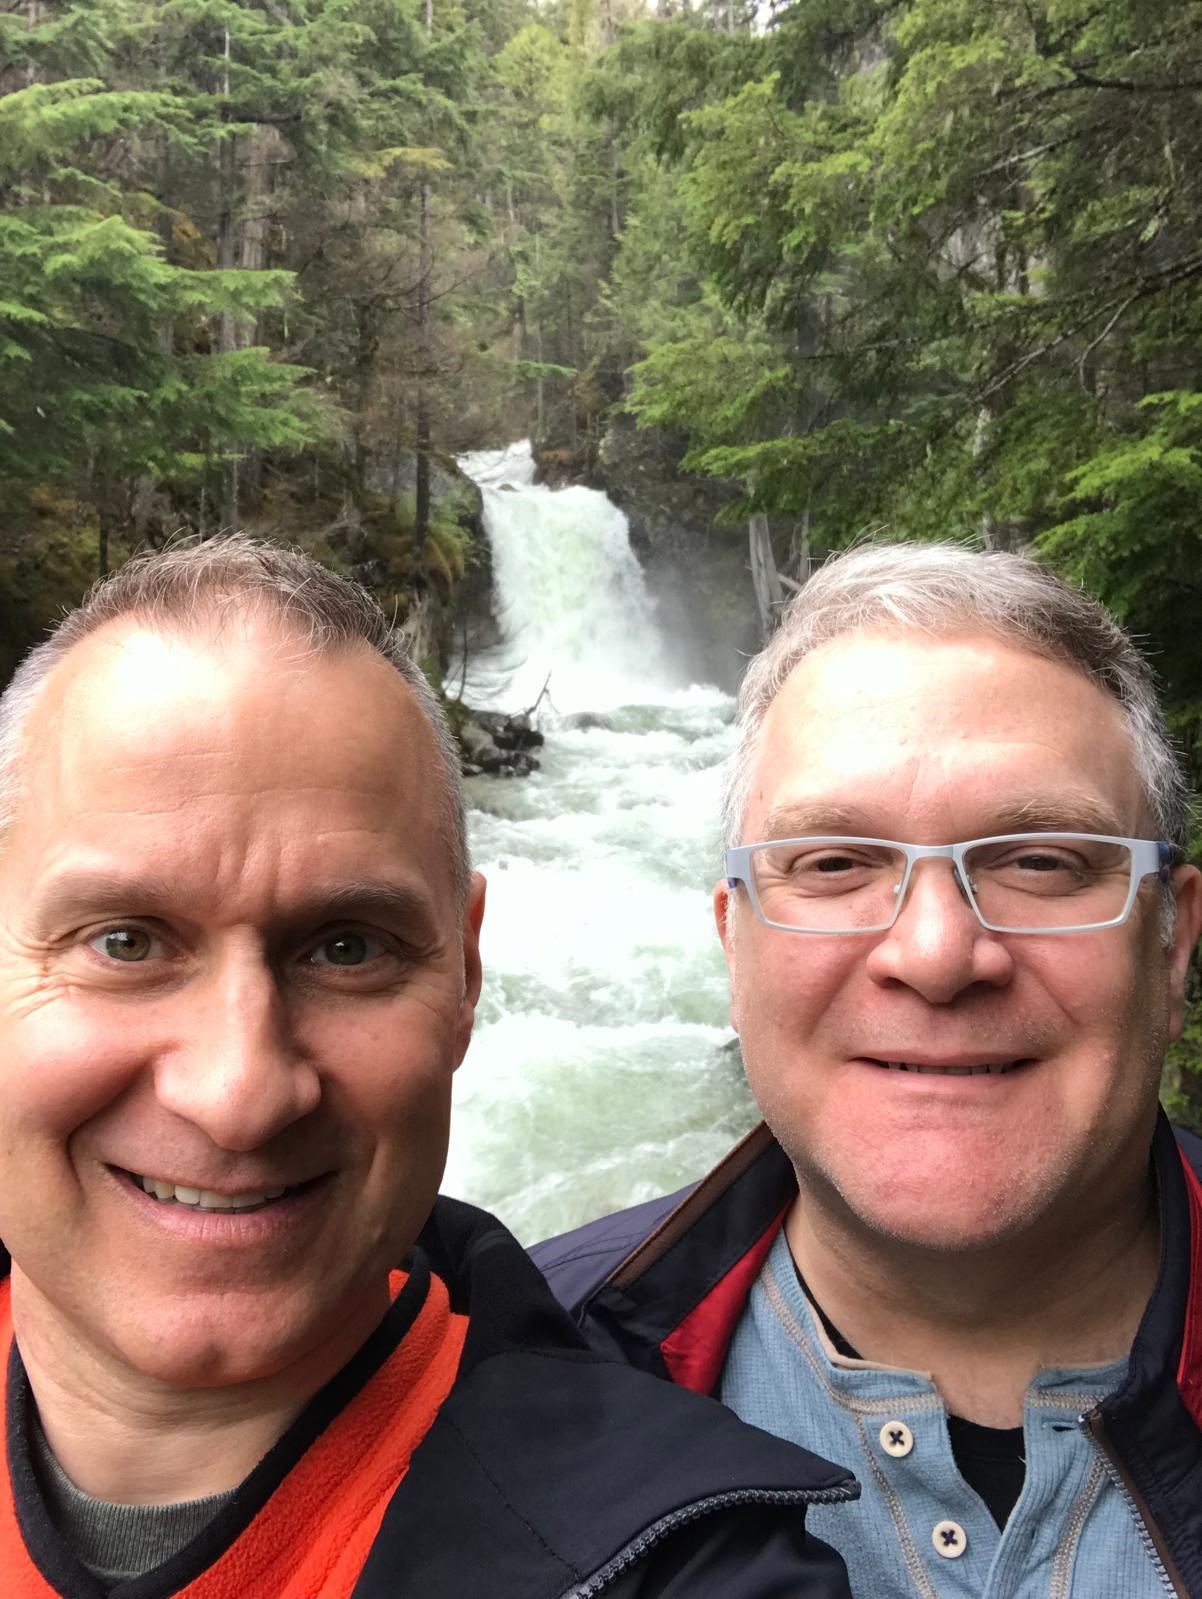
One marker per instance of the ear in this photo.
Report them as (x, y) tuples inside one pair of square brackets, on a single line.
[(473, 972), (1187, 926), (724, 911)]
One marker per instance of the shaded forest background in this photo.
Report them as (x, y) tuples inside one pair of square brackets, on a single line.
[(925, 266)]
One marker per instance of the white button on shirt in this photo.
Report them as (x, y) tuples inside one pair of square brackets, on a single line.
[(1070, 1536), (949, 1538), (896, 1439)]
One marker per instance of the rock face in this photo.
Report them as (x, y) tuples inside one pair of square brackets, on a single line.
[(491, 742), (696, 566)]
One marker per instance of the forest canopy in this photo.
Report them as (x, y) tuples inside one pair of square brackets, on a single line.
[(926, 265)]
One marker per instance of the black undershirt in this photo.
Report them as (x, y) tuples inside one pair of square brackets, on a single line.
[(992, 1460)]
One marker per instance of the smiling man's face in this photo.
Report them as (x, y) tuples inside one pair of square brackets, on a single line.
[(232, 974), (934, 742)]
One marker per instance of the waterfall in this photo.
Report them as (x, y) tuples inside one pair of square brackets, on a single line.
[(602, 1069), (569, 595)]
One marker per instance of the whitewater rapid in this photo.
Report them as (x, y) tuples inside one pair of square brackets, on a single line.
[(603, 1069)]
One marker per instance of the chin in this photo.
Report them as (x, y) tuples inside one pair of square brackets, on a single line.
[(939, 1205), (951, 1217), (938, 1231), (196, 1345), (206, 1359)]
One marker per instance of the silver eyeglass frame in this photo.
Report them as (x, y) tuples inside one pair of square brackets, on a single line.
[(1149, 857)]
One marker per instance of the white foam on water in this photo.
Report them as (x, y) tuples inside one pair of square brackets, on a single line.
[(603, 1069), (568, 594), (561, 1120)]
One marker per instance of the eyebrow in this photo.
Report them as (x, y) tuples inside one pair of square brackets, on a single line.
[(98, 893), (820, 818), (1070, 813), (370, 898), (1075, 813)]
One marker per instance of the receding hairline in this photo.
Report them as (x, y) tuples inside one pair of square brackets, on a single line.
[(954, 626), (237, 622), (229, 620)]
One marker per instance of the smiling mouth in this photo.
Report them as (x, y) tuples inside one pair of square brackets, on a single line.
[(209, 1199), (989, 1069)]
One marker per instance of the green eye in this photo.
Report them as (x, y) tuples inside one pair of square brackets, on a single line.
[(124, 944), (347, 949)]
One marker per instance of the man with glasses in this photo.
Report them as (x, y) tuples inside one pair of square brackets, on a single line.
[(965, 1260)]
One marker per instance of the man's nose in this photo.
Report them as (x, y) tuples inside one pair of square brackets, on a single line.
[(237, 1070), (937, 946)]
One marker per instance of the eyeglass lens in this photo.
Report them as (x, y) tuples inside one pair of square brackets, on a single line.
[(1016, 883)]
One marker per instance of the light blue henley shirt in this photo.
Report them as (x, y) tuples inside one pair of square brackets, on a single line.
[(919, 1531)]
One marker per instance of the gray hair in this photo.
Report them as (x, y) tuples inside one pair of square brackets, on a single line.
[(938, 589), (191, 583)]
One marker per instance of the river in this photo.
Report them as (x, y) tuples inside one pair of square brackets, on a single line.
[(603, 1069)]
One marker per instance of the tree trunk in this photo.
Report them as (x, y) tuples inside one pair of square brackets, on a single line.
[(367, 343), (615, 214), (227, 246), (421, 529), (229, 512), (227, 171), (33, 16), (769, 595)]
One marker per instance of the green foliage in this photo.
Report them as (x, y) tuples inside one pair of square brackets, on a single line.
[(55, 569), (210, 264), (108, 371), (938, 261), (389, 537)]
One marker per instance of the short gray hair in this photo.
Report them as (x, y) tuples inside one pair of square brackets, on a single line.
[(938, 589), (193, 582)]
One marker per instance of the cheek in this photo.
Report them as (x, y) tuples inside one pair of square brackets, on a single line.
[(64, 1061), (388, 1072), (1103, 987), (785, 984), (789, 995), (398, 1105)]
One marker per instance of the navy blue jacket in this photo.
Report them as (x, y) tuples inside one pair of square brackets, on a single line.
[(546, 1473), (663, 1284)]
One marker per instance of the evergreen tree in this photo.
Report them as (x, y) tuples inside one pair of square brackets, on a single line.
[(111, 377)]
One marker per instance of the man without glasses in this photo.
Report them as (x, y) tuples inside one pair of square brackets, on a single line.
[(238, 968), (965, 1260)]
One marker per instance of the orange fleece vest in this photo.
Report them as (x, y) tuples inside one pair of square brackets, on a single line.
[(311, 1538)]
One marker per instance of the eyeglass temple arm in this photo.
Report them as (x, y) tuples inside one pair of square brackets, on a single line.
[(1170, 855)]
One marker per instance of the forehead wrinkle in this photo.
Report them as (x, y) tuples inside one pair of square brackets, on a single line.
[(96, 891)]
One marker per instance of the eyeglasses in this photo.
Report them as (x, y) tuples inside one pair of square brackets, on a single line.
[(1015, 883)]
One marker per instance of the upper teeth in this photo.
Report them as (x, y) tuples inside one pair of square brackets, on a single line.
[(951, 1071), (206, 1198)]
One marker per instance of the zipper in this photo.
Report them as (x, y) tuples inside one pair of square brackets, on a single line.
[(1170, 1578), (638, 1547)]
